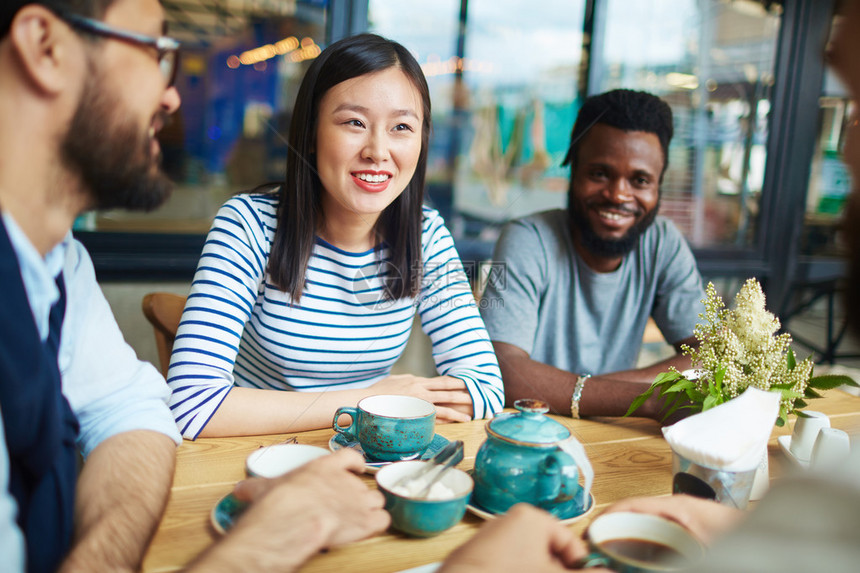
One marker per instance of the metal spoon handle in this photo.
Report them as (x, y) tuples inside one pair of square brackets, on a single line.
[(439, 458), (451, 460)]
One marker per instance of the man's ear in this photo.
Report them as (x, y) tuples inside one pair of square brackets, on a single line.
[(46, 49)]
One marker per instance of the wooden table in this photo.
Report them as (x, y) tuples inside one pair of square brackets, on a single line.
[(629, 456)]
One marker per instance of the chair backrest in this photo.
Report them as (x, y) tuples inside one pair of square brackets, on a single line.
[(652, 332), (164, 310)]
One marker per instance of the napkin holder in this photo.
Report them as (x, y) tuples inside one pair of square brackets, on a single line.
[(716, 454), (731, 488)]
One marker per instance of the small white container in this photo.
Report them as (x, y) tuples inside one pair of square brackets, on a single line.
[(805, 433), (831, 448)]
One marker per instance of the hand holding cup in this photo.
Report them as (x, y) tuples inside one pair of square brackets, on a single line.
[(639, 543)]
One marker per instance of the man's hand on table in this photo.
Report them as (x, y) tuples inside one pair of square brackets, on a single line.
[(525, 539), (704, 518), (321, 505), (528, 539), (327, 493)]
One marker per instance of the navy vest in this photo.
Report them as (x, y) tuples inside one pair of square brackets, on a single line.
[(40, 426)]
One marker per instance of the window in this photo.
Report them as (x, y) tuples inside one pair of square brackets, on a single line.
[(242, 62), (503, 103), (829, 182), (713, 62)]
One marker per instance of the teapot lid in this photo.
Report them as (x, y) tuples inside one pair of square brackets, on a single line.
[(529, 425)]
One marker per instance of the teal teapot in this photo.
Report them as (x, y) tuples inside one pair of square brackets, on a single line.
[(528, 457)]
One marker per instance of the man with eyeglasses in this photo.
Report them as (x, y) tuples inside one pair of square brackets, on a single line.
[(85, 87)]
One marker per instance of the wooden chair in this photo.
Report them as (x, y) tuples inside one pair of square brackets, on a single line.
[(652, 333), (163, 311)]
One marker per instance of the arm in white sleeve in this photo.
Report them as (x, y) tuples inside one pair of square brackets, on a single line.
[(231, 269), (450, 317), (108, 388)]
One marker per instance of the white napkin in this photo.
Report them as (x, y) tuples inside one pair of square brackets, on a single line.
[(731, 436)]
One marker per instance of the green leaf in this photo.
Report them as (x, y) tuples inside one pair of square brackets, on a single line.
[(718, 378), (790, 360), (830, 381), (783, 416), (680, 386), (673, 407), (639, 400), (692, 391), (710, 402), (810, 393), (800, 403), (695, 395), (786, 386), (791, 395), (663, 377)]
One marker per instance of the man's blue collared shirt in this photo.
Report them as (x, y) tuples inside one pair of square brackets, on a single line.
[(108, 388)]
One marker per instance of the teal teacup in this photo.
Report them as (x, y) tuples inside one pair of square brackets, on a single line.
[(389, 427), (444, 507), (630, 542)]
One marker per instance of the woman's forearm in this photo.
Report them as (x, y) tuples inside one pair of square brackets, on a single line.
[(251, 411)]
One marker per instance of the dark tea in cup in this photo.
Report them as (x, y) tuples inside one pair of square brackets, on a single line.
[(639, 542), (643, 550)]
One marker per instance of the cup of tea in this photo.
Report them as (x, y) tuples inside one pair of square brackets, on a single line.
[(389, 427), (805, 432), (639, 543)]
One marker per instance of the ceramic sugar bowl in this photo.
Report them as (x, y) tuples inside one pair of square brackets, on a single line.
[(531, 458)]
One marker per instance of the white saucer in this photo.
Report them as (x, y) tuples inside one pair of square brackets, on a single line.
[(276, 460), (484, 514), (785, 445)]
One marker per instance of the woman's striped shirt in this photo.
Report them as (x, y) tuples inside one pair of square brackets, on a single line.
[(238, 328)]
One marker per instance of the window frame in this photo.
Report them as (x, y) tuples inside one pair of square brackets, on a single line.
[(774, 258)]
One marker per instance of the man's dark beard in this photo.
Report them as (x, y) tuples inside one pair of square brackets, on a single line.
[(111, 156), (609, 248)]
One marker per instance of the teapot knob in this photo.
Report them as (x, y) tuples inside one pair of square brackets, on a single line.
[(531, 406)]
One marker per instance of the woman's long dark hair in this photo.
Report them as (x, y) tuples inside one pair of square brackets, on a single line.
[(300, 205)]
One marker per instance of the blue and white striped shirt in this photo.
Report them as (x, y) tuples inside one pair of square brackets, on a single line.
[(238, 328)]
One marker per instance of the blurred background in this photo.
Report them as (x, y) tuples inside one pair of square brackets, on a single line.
[(754, 179)]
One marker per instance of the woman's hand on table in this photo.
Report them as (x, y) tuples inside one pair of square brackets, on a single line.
[(704, 518), (449, 395), (525, 539), (322, 504)]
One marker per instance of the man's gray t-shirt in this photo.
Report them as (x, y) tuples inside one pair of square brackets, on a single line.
[(552, 305)]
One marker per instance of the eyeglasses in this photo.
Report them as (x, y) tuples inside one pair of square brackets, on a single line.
[(166, 47)]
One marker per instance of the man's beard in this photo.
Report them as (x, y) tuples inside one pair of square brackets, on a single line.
[(609, 248), (108, 152)]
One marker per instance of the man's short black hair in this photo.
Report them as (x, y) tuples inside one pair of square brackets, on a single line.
[(627, 110), (88, 8)]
